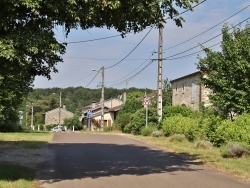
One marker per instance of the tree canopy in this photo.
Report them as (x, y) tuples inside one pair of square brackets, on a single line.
[(227, 72), (28, 46)]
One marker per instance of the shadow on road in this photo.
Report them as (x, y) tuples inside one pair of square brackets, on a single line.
[(93, 160)]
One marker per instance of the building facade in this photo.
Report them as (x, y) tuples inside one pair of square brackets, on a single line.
[(52, 116), (189, 91), (111, 108)]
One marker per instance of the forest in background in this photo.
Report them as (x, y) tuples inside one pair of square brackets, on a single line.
[(74, 98)]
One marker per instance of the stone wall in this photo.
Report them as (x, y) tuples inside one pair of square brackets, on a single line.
[(52, 117), (188, 91)]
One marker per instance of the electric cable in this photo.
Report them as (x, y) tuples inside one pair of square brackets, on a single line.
[(207, 40), (79, 79), (130, 51), (92, 79), (113, 36), (207, 29), (133, 70)]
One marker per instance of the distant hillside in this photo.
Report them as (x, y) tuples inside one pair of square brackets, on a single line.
[(74, 98)]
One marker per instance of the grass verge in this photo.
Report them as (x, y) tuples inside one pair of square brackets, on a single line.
[(12, 175), (26, 140), (238, 167)]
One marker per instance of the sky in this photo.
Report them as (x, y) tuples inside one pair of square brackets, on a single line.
[(137, 69)]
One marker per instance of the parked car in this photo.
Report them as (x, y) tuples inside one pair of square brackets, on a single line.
[(58, 128)]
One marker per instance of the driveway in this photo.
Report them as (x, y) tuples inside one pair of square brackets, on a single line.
[(114, 161)]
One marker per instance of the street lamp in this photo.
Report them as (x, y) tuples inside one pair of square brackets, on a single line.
[(102, 99)]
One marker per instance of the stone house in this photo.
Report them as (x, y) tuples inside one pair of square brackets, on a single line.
[(189, 91), (52, 116)]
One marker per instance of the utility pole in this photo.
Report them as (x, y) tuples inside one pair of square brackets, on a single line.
[(32, 116), (60, 106), (159, 84), (102, 101)]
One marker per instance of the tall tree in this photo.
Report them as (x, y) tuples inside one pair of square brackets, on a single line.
[(28, 46), (167, 93), (227, 72)]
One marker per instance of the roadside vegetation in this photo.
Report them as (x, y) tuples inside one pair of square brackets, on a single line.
[(204, 136), (14, 175)]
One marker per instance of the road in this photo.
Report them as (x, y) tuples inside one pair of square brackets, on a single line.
[(83, 160)]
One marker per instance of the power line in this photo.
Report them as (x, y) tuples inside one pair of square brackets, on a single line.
[(207, 40), (101, 59), (131, 50), (207, 29), (133, 70), (192, 54), (93, 78), (128, 79), (80, 79), (104, 38)]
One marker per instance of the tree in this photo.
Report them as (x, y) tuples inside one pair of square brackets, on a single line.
[(28, 46), (227, 72), (166, 93)]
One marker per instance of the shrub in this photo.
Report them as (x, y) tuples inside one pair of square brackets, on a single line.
[(49, 127), (235, 149), (157, 134), (138, 121), (237, 131), (181, 125), (169, 111), (146, 131), (73, 121), (178, 138), (203, 144), (122, 120)]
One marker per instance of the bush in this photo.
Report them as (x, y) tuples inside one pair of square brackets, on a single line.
[(122, 120), (49, 127), (235, 149), (146, 131), (237, 131), (178, 138), (203, 144), (73, 121), (138, 121), (181, 125), (169, 111), (157, 134)]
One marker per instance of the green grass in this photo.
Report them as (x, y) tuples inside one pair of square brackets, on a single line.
[(26, 140), (18, 176), (239, 167)]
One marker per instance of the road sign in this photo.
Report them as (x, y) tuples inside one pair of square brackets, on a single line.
[(89, 113), (146, 101), (89, 116)]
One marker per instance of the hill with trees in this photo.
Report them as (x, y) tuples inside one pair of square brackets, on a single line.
[(74, 98)]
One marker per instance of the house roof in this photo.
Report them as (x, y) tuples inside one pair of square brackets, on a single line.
[(187, 76), (115, 109), (57, 109), (150, 95)]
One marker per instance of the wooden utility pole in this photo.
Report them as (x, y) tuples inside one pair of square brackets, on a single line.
[(159, 84), (102, 101)]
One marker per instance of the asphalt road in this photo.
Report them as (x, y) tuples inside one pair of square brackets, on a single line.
[(83, 160)]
